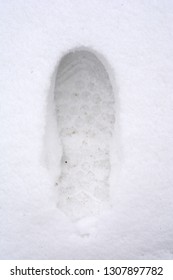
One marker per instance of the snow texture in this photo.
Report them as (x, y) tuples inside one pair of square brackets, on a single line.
[(81, 78)]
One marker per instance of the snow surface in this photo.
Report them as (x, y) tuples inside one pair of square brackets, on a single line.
[(134, 41)]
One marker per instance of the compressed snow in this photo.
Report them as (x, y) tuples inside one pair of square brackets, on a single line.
[(84, 103), (134, 41)]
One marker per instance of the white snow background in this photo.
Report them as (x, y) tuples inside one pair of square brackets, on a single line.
[(136, 39)]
